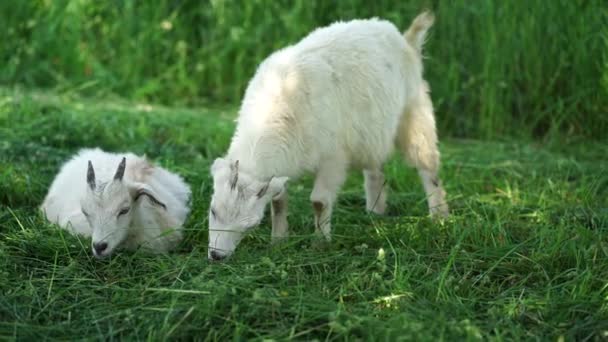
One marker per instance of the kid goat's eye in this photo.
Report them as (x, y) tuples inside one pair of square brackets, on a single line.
[(213, 213), (123, 211), (84, 212)]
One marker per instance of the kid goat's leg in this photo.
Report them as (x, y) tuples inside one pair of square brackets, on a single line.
[(417, 141), (375, 194), (279, 217), (329, 179)]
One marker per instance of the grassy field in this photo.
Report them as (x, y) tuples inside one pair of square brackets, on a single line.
[(524, 255), (521, 92)]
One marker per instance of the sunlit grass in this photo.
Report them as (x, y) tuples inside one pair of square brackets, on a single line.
[(524, 255)]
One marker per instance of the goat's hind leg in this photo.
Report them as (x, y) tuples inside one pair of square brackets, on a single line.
[(417, 140), (435, 193)]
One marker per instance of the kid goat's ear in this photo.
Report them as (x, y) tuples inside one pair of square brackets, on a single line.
[(234, 174), (273, 187), (140, 190), (277, 184)]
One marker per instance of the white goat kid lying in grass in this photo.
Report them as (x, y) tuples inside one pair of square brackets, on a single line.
[(341, 98), (121, 200)]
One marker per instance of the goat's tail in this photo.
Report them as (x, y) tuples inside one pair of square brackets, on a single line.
[(416, 33)]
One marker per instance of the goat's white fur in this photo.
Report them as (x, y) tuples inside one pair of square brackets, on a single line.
[(147, 223), (341, 98)]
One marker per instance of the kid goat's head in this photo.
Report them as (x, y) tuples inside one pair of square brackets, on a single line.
[(237, 205), (109, 206)]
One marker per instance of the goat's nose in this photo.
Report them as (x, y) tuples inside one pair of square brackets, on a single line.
[(100, 247), (215, 255)]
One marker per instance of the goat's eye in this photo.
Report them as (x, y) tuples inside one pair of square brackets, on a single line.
[(84, 212), (213, 213), (123, 211)]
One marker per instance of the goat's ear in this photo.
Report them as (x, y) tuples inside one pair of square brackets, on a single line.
[(234, 174), (274, 187), (91, 176), (141, 169), (120, 172), (277, 184), (140, 190)]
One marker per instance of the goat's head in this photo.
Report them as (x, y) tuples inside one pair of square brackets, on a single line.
[(237, 205), (109, 208)]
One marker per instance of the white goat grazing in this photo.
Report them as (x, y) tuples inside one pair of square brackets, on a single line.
[(119, 200), (341, 98)]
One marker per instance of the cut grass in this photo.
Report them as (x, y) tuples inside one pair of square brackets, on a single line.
[(524, 255)]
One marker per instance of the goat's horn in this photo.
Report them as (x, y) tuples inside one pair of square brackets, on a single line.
[(121, 169), (91, 176)]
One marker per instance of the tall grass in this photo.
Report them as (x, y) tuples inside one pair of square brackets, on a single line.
[(525, 68)]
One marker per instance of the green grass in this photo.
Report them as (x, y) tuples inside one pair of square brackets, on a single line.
[(524, 255), (497, 68)]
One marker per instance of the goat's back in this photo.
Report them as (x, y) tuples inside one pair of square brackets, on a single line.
[(341, 89)]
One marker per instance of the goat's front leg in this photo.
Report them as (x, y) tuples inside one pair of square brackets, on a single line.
[(279, 217), (375, 193), (329, 180)]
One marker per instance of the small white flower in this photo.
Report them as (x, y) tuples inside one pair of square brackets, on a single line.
[(166, 25), (144, 107), (381, 254)]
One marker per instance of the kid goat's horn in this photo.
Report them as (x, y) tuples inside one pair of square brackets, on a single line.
[(91, 176), (121, 169)]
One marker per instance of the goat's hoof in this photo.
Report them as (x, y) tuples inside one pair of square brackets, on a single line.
[(320, 242), (275, 240), (440, 213)]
